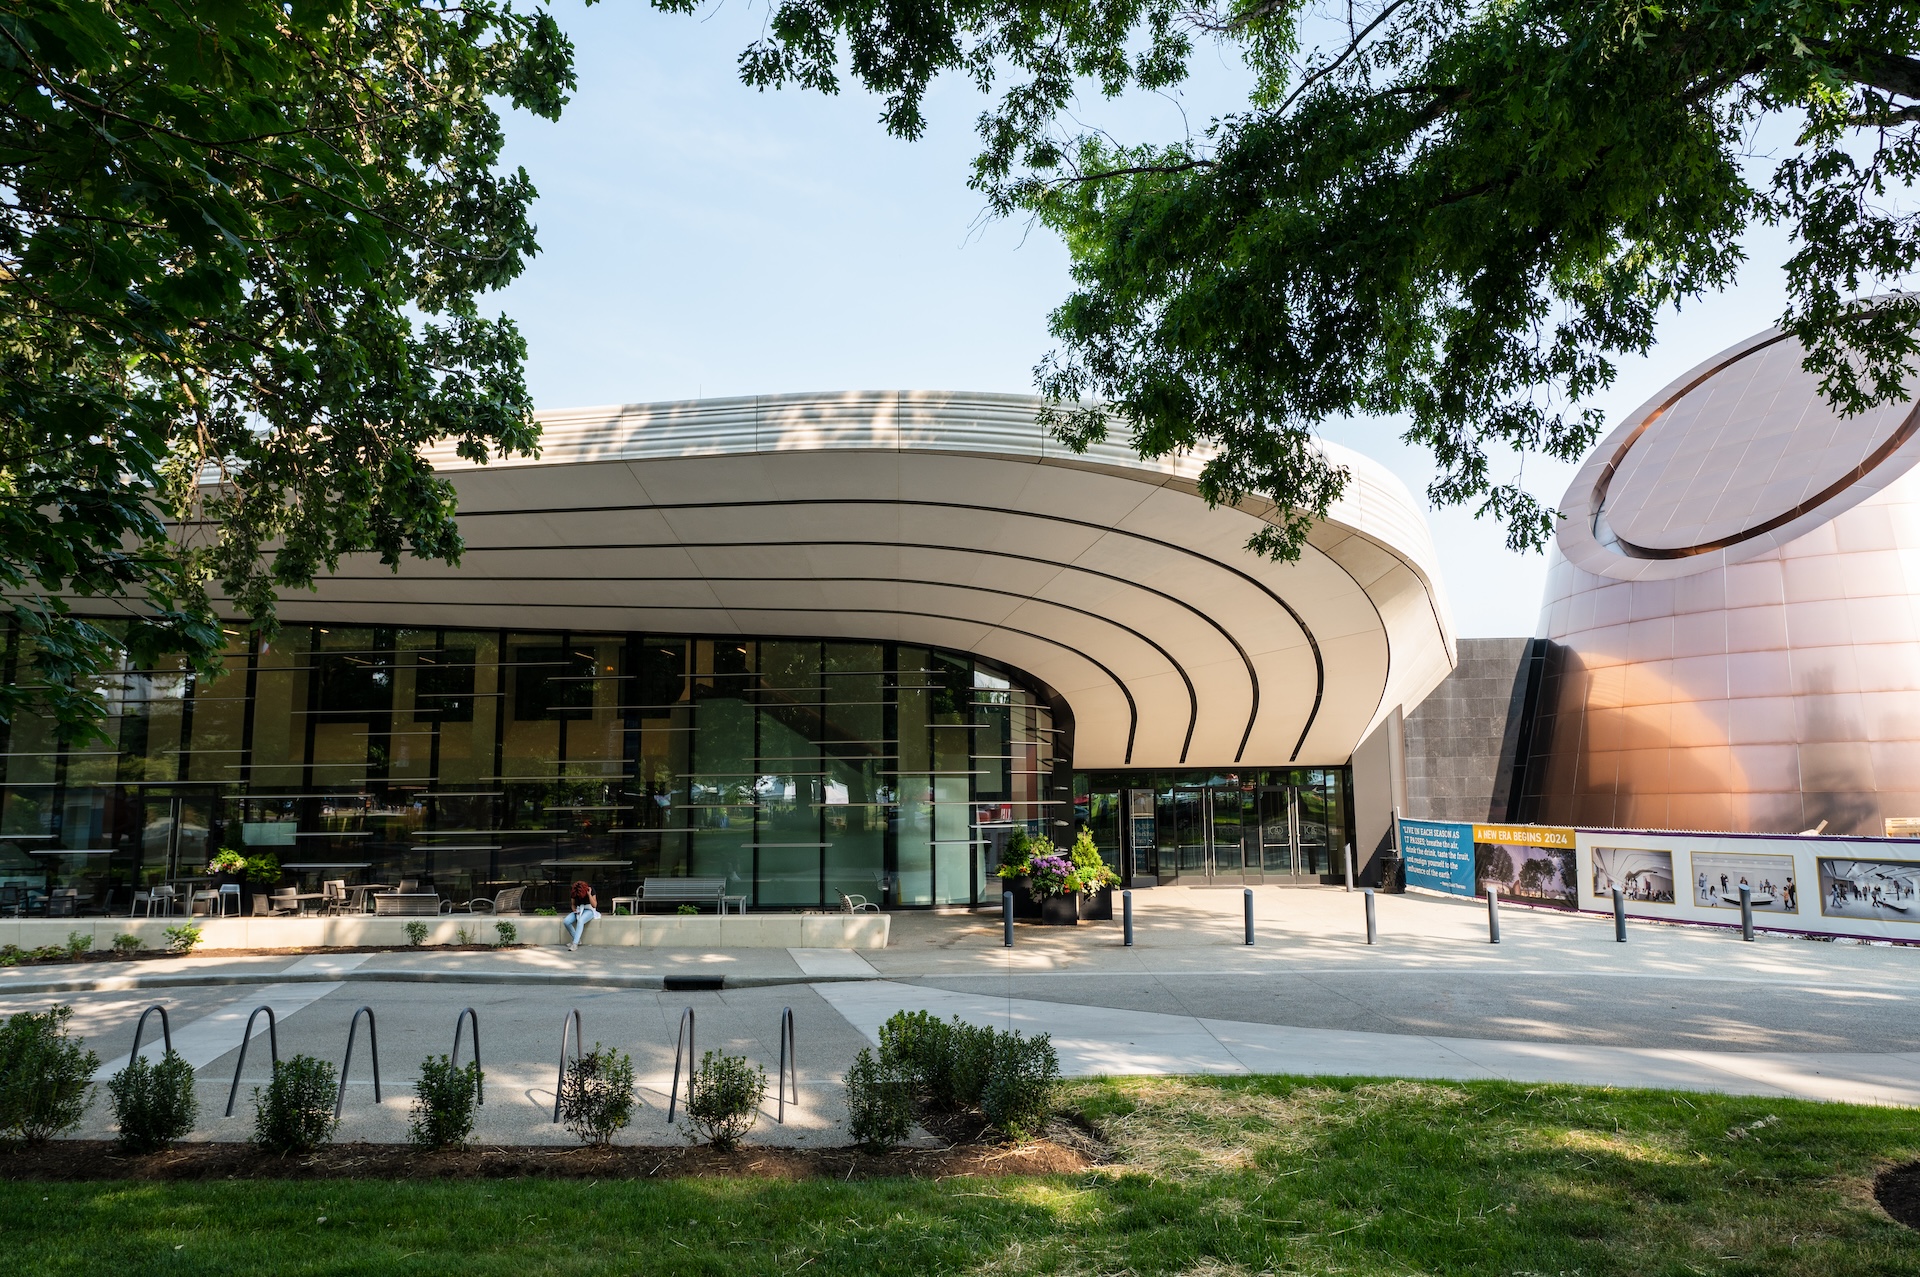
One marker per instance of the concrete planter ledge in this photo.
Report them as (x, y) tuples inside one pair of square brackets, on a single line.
[(704, 931)]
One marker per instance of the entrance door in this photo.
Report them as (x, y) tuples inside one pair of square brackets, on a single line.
[(1292, 851), (1206, 836)]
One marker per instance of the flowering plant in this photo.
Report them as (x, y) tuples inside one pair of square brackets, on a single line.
[(1019, 854), (1090, 865), (1051, 875), (226, 861)]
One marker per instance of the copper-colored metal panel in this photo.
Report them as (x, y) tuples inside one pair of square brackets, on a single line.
[(1767, 673), (1838, 717), (1824, 671), (1762, 720), (1818, 624), (1696, 679), (1756, 629), (1650, 640), (1701, 811), (1700, 633), (1764, 768), (1647, 726), (1887, 667)]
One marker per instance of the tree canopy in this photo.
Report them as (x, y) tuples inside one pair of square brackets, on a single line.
[(241, 244), (1456, 214)]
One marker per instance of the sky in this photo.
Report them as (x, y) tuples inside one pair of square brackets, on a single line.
[(702, 239)]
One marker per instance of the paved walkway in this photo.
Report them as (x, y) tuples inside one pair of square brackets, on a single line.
[(1559, 1000)]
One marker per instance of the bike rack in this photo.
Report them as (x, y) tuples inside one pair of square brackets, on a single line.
[(373, 1045), (789, 1064), (571, 1020), (480, 1083), (246, 1036), (166, 1033), (683, 1036)]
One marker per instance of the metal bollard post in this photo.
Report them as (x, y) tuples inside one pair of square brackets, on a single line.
[(1746, 912), (1493, 914), (1246, 899), (1126, 916), (1006, 919), (1619, 916), (1373, 931), (1349, 866)]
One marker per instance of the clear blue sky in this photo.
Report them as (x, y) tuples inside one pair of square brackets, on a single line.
[(702, 239)]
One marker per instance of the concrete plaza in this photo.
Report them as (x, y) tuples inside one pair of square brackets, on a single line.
[(1558, 1000)]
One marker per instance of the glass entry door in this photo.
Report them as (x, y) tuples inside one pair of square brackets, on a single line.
[(1293, 850), (1206, 835)]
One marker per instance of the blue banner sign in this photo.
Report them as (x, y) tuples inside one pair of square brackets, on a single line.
[(1438, 855)]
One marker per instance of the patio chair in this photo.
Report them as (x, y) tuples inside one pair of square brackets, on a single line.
[(857, 904), (229, 899), (335, 892), (507, 901), (158, 898), (13, 902), (64, 903), (408, 885), (285, 900)]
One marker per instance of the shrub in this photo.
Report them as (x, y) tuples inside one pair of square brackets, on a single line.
[(879, 1102), (462, 936), (182, 937), (723, 1097), (546, 911), (596, 1097), (10, 955), (79, 944), (1018, 1097), (688, 909), (126, 944), (416, 934), (509, 934), (1088, 864), (295, 1113), (443, 1103), (946, 1062), (50, 953), (153, 1104), (263, 870), (971, 1047), (46, 1077)]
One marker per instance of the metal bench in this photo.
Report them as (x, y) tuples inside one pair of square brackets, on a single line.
[(690, 891), (406, 904)]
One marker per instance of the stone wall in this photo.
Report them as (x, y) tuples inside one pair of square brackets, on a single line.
[(1462, 740)]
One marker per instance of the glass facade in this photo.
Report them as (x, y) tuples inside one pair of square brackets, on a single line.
[(474, 760), (1265, 825)]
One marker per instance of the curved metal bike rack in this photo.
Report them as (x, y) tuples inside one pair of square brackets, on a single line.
[(373, 1046), (789, 1064), (139, 1030), (480, 1082), (571, 1020), (246, 1036), (684, 1036)]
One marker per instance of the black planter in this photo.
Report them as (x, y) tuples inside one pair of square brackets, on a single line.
[(1060, 911), (1024, 905), (1097, 905)]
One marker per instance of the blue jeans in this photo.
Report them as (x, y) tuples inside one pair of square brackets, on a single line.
[(577, 921)]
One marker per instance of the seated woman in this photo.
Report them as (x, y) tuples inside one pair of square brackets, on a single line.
[(585, 910)]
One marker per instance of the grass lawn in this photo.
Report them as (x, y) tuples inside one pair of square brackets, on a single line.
[(1216, 1177)]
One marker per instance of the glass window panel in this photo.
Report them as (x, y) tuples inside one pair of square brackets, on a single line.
[(953, 839), (914, 841), (856, 839), (279, 715), (467, 742)]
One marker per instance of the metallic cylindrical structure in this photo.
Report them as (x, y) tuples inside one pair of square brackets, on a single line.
[(1006, 919), (1493, 914), (1246, 901)]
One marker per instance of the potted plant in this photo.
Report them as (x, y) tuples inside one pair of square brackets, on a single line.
[(1097, 879), (1055, 887), (228, 865), (262, 874), (1015, 862)]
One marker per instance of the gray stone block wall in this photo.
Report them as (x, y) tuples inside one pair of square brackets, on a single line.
[(1461, 740)]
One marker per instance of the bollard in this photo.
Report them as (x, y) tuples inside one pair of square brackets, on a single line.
[(1126, 916), (1619, 916), (1746, 912), (1493, 914), (1349, 866), (1246, 899), (1006, 919), (1373, 931)]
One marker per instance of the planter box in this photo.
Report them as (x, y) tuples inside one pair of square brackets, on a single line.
[(1097, 906), (1024, 905), (1060, 911)]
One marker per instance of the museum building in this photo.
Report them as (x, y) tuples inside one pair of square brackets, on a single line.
[(813, 644)]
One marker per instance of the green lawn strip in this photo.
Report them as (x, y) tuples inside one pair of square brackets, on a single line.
[(1221, 1176)]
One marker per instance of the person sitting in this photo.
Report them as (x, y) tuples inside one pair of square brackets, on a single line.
[(585, 910)]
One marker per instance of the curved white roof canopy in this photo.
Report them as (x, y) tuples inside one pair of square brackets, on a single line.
[(956, 521)]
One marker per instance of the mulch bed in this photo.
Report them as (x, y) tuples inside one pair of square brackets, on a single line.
[(26, 959), (1898, 1192), (1066, 1149)]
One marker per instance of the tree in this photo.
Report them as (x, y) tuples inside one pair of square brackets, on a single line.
[(1455, 214), (1495, 865), (240, 250)]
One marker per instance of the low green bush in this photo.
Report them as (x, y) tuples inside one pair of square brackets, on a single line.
[(182, 937), (879, 1102), (10, 955), (126, 944), (596, 1095), (416, 933), (546, 911), (153, 1104), (1018, 1096), (79, 945), (50, 953), (723, 1097), (295, 1113), (509, 934), (462, 936), (444, 1100), (46, 1077), (688, 910)]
